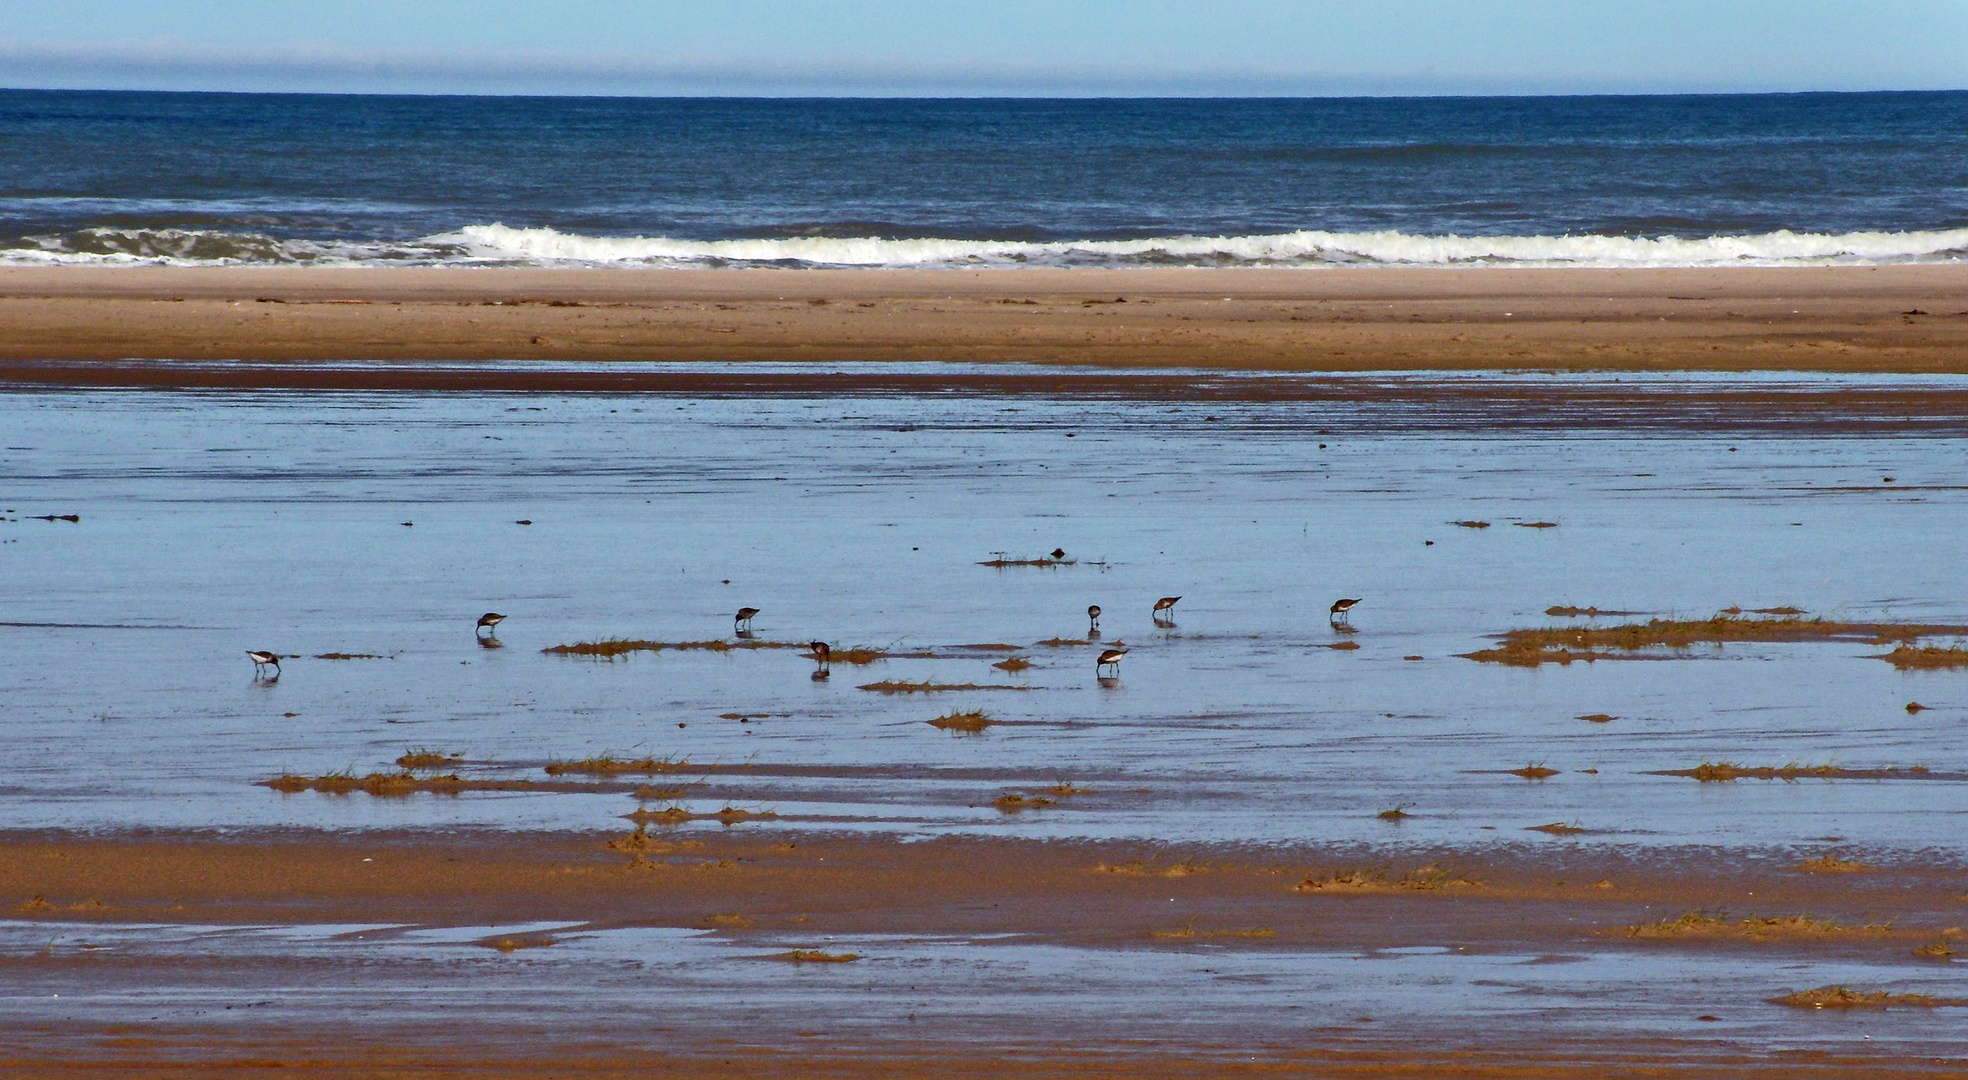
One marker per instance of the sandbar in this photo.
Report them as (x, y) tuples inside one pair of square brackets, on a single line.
[(1880, 319)]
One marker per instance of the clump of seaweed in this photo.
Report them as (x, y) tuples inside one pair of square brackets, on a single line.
[(1569, 611), (1832, 864), (1533, 772), (1722, 772), (381, 784), (1598, 718), (814, 956), (422, 758), (862, 657), (608, 765), (1396, 814), (1013, 802), (1139, 868), (1013, 664), (1564, 644), (999, 560), (514, 942), (613, 647), (1189, 932), (349, 656), (1701, 924), (1430, 878), (1061, 642), (1557, 828), (1907, 657), (1470, 524), (970, 722), (732, 921), (1844, 997), (895, 686), (677, 815)]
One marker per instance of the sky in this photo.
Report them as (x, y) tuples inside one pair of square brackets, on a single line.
[(1005, 47)]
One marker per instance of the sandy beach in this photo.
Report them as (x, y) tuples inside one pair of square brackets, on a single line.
[(1839, 319)]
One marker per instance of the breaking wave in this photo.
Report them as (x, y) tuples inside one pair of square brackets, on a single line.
[(502, 245)]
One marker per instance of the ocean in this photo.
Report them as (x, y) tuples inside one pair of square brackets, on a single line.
[(177, 178)]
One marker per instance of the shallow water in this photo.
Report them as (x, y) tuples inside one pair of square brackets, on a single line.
[(687, 987), (215, 523)]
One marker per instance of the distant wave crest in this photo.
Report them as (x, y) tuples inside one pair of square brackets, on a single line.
[(502, 245)]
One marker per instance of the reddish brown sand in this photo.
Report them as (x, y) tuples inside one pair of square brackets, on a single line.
[(1859, 319), (1087, 894)]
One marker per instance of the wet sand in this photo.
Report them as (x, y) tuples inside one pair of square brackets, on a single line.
[(1845, 319), (760, 892), (1225, 895)]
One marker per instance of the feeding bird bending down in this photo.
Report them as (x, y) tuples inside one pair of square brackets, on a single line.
[(1110, 658), (261, 658), (1165, 609)]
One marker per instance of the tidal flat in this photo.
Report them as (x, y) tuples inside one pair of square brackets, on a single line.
[(1344, 836)]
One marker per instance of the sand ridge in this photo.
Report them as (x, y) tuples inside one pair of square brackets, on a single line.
[(1850, 319)]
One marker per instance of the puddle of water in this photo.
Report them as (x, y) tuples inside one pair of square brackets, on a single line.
[(215, 523)]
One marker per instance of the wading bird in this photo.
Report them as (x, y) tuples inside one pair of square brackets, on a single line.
[(261, 659), (1093, 618), (743, 620), (489, 621), (823, 656), (1110, 658), (1165, 609), (1337, 613)]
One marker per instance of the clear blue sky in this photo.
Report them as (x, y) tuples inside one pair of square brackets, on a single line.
[(1005, 47)]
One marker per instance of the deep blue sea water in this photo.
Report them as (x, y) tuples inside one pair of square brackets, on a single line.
[(1673, 180)]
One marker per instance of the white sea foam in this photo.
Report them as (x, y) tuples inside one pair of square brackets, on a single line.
[(1309, 248), (498, 244)]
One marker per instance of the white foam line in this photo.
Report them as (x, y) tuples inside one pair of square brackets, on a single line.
[(498, 244)]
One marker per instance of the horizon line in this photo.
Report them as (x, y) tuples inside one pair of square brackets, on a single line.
[(1416, 95)]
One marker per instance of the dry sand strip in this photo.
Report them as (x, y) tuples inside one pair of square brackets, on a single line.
[(1844, 319), (1088, 893)]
